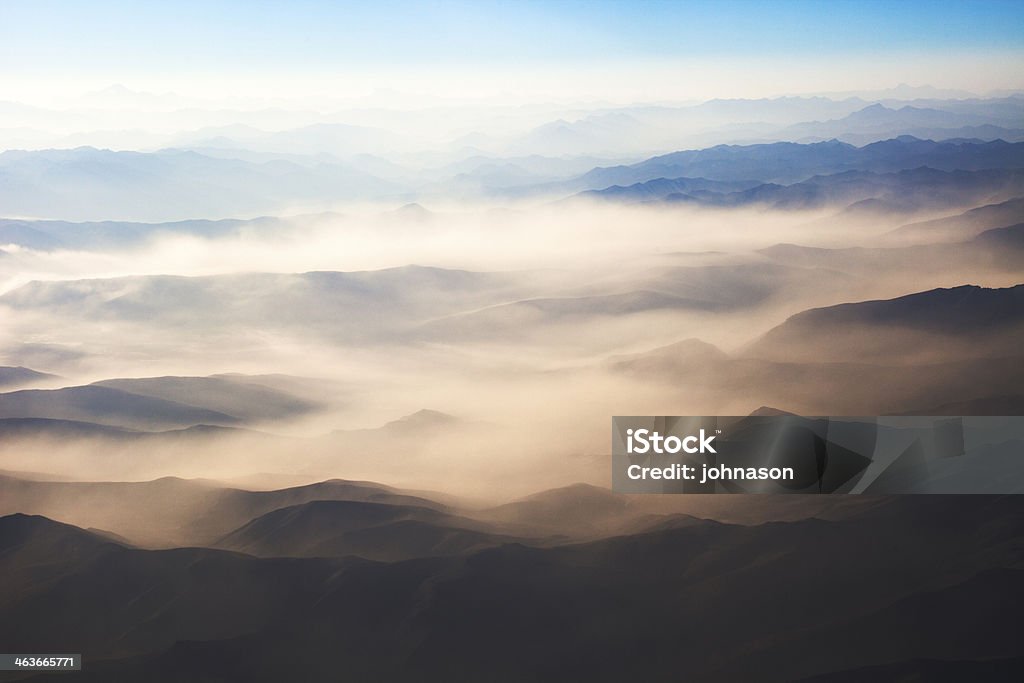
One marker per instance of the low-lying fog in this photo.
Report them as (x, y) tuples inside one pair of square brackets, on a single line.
[(519, 326)]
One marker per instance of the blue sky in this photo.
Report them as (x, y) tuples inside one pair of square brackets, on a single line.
[(41, 33), (863, 42)]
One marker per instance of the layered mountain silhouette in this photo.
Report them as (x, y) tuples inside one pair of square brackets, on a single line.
[(173, 511), (878, 121), (247, 401), (104, 405), (797, 119), (99, 185), (788, 162), (902, 191), (964, 225), (156, 403), (945, 347), (829, 255), (996, 249), (662, 188), (570, 510), (941, 580), (967, 321), (376, 531), (20, 376)]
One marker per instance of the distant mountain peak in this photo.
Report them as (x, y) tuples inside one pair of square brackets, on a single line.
[(19, 375), (413, 211), (768, 411), (422, 422), (424, 417)]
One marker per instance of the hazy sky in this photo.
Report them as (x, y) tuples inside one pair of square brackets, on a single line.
[(574, 48)]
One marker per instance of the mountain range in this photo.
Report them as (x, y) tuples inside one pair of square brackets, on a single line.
[(156, 403), (829, 603), (99, 185), (788, 162), (222, 335), (856, 191)]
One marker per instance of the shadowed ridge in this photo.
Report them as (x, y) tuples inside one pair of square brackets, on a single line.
[(19, 376), (37, 535), (371, 530), (963, 322)]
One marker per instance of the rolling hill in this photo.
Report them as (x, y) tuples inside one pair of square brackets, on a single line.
[(964, 322), (21, 376), (965, 225), (375, 531), (107, 406), (172, 511), (799, 599), (242, 399)]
